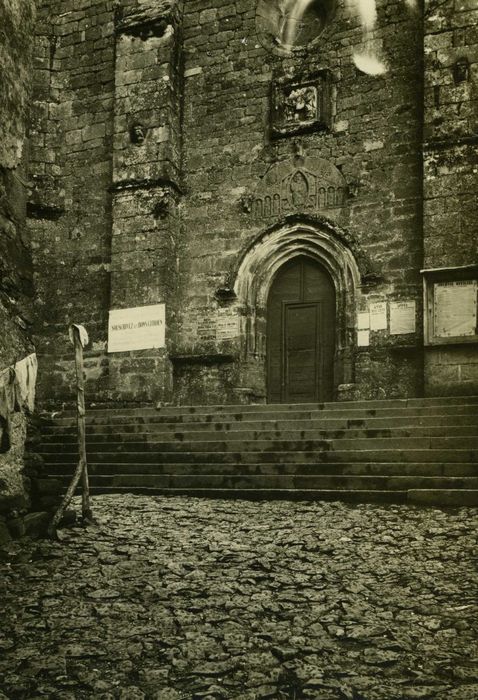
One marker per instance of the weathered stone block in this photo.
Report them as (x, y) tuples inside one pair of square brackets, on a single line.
[(17, 527), (5, 535), (36, 523)]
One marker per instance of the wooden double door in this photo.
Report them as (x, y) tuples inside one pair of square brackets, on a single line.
[(301, 313)]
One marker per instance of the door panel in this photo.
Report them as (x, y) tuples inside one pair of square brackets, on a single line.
[(300, 334), (301, 352)]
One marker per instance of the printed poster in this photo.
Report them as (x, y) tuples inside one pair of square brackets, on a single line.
[(455, 308), (378, 316), (402, 317)]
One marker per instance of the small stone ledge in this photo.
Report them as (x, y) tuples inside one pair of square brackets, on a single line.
[(203, 359), (451, 142), (248, 396), (145, 184)]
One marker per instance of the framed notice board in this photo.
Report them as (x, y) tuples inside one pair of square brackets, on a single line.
[(451, 304)]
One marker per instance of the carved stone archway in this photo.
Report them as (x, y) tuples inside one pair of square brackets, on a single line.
[(255, 272)]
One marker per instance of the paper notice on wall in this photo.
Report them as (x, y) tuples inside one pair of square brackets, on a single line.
[(455, 308), (206, 331), (402, 317), (227, 327), (139, 328), (363, 338), (378, 316), (363, 320)]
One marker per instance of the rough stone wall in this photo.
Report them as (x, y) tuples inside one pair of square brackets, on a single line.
[(451, 170), (146, 183), (16, 20), (118, 222), (70, 208), (374, 140), (103, 213)]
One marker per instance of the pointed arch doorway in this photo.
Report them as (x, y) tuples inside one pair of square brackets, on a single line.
[(301, 320)]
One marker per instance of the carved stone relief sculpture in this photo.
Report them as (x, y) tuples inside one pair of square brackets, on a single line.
[(301, 106), (137, 134), (308, 185)]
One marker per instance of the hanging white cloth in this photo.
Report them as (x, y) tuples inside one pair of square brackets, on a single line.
[(25, 382), (84, 340)]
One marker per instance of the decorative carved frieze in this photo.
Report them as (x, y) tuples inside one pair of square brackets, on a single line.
[(299, 105), (305, 185)]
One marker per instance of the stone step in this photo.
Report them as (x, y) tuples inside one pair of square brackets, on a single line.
[(455, 469), (449, 423), (424, 497), (443, 497), (356, 496), (274, 445), (279, 457), (277, 481), (268, 412), (150, 436), (252, 408), (358, 451)]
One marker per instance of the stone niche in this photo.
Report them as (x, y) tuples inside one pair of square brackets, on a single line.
[(302, 184)]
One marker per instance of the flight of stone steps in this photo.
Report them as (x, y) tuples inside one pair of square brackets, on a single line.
[(403, 450)]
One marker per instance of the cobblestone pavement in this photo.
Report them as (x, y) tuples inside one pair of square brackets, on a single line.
[(173, 598)]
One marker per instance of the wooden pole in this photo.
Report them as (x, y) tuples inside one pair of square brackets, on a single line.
[(66, 500), (81, 471), (80, 408)]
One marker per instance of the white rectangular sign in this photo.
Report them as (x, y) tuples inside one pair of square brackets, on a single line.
[(455, 308), (402, 317), (363, 338), (139, 328), (363, 321), (378, 316)]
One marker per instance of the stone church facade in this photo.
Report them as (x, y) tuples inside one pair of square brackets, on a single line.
[(310, 228)]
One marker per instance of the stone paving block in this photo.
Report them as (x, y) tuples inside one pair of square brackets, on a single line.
[(181, 598)]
